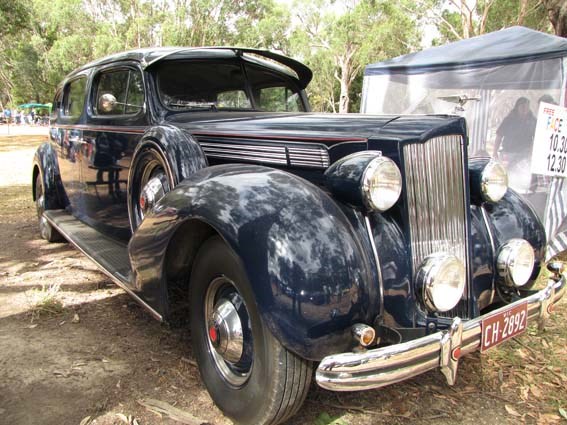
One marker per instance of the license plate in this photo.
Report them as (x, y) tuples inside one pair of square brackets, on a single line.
[(503, 326)]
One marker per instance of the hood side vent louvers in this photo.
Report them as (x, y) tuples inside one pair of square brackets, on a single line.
[(274, 152)]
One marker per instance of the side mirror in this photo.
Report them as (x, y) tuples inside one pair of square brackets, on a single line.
[(106, 102)]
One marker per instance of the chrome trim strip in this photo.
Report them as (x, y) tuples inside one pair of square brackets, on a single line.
[(280, 138), (248, 154), (493, 246), (383, 366), (101, 128), (114, 278), (246, 158), (378, 267), (254, 148)]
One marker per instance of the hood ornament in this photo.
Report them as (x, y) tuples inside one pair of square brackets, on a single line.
[(460, 100)]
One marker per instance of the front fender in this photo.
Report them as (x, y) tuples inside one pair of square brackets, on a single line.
[(513, 217), (182, 153), (307, 265), (45, 163)]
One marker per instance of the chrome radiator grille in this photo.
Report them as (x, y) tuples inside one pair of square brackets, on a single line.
[(436, 201)]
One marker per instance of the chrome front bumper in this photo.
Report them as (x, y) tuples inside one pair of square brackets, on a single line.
[(384, 366)]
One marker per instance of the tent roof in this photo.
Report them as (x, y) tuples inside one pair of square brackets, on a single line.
[(510, 45)]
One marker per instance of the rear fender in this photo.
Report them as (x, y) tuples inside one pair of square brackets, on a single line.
[(306, 262), (45, 163)]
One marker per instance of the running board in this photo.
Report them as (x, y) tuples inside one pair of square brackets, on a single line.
[(109, 255)]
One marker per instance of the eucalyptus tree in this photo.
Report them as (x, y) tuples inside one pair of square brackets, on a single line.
[(352, 34), (460, 19)]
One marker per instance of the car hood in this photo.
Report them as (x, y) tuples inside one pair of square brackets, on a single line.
[(326, 128), (305, 125)]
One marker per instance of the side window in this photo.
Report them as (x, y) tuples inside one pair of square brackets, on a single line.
[(125, 89), (279, 99), (75, 98)]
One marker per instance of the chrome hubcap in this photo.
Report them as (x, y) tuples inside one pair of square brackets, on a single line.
[(152, 192), (228, 331), (225, 331)]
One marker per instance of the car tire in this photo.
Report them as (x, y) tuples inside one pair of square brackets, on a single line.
[(267, 384), (46, 230)]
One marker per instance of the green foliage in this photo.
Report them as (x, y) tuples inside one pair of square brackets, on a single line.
[(44, 40), (506, 13), (486, 15), (326, 419), (14, 17)]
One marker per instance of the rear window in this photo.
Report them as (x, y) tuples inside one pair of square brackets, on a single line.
[(75, 94), (217, 85)]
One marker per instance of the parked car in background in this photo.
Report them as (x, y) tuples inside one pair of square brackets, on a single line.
[(368, 249)]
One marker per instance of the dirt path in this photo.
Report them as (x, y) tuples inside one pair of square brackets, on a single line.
[(99, 353)]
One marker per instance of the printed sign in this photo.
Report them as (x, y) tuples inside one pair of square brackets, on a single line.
[(549, 156)]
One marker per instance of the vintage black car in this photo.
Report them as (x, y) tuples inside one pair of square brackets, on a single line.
[(369, 248)]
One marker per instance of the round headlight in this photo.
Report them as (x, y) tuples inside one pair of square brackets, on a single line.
[(381, 184), (494, 181), (441, 278), (515, 262)]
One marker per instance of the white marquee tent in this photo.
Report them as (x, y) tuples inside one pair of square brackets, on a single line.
[(488, 75)]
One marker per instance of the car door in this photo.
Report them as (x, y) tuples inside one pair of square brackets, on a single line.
[(68, 138), (116, 121)]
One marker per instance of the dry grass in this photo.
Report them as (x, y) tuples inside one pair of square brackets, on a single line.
[(45, 302)]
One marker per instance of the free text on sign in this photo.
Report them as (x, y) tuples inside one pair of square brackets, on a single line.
[(549, 155)]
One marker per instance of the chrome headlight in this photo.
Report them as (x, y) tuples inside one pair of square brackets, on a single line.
[(515, 262), (493, 181), (441, 279), (381, 184)]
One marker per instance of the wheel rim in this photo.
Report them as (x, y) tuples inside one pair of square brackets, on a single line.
[(228, 332)]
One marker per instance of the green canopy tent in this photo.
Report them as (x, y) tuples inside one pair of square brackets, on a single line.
[(36, 105)]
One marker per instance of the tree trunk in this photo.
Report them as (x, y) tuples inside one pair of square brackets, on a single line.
[(348, 70), (557, 13), (344, 100)]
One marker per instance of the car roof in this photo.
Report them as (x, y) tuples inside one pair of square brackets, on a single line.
[(148, 57)]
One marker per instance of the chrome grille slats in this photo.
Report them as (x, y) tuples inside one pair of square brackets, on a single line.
[(264, 154), (436, 201), (266, 151)]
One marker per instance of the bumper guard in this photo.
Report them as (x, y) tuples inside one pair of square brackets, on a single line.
[(384, 366)]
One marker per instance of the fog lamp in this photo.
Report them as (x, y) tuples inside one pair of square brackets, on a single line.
[(441, 281), (515, 262)]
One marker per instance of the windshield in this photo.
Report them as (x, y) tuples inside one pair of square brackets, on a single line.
[(215, 85)]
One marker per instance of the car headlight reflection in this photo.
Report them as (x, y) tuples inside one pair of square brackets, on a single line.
[(381, 184), (441, 279), (515, 262), (494, 181)]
